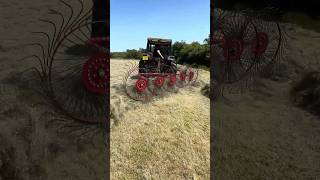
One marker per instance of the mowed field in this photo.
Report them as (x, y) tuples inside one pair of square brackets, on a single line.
[(167, 138), (31, 147), (261, 134)]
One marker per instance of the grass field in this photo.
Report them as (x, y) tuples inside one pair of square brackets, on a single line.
[(164, 139), (261, 134)]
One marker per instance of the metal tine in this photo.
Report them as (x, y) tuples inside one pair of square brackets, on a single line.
[(50, 47), (70, 128), (84, 34), (35, 69), (32, 57), (60, 29), (64, 45), (96, 131), (78, 15), (42, 49), (66, 38), (48, 43), (88, 130), (85, 16), (80, 19), (71, 12), (69, 68), (39, 75), (57, 120), (54, 39), (77, 37)]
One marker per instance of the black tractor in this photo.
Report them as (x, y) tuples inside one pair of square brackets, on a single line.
[(158, 58)]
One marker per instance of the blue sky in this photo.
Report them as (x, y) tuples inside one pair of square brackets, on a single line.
[(133, 21)]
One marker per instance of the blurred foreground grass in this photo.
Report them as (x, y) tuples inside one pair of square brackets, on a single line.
[(302, 20)]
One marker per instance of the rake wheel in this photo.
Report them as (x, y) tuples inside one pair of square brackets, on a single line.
[(245, 44), (181, 80), (74, 66), (192, 75), (170, 80), (232, 41), (156, 85), (136, 86), (268, 45)]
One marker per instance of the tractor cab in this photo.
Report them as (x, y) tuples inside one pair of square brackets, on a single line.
[(158, 53), (164, 45)]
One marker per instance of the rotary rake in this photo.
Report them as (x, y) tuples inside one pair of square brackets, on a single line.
[(244, 44), (146, 86), (154, 76), (74, 63)]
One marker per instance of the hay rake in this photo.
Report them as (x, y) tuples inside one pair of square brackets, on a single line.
[(155, 75), (244, 45), (147, 86), (74, 63)]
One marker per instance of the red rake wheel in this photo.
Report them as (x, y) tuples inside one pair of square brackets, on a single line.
[(159, 81), (260, 44), (99, 42), (170, 80), (141, 84), (268, 45), (136, 85), (233, 49), (182, 77), (63, 59), (270, 41), (95, 73), (157, 88), (79, 74), (192, 75), (260, 37)]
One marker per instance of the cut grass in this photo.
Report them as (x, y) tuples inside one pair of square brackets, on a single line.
[(302, 20), (164, 139)]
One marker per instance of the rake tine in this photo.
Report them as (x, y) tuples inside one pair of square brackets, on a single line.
[(60, 28), (84, 17), (88, 130), (54, 39), (33, 56), (50, 46), (80, 12), (79, 38), (48, 43), (71, 14), (42, 49), (32, 68)]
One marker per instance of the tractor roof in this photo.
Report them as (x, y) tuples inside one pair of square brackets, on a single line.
[(159, 41)]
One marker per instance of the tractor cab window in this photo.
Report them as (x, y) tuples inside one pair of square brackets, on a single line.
[(163, 50)]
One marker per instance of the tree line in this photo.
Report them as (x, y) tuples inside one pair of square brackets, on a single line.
[(190, 53)]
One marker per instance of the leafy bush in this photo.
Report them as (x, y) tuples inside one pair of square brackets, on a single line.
[(195, 53), (176, 48), (129, 54)]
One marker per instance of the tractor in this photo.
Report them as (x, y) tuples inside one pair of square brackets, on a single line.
[(158, 58), (157, 72)]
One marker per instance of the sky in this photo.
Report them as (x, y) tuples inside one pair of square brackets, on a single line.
[(133, 21)]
